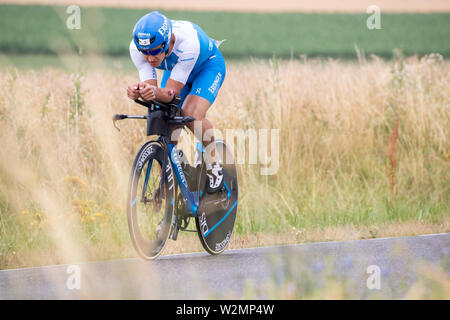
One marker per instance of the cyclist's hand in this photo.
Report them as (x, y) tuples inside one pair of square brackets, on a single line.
[(133, 91), (147, 91)]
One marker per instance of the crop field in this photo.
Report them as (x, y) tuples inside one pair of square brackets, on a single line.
[(362, 118), (42, 30)]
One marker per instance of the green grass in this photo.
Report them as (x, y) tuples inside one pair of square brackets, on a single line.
[(42, 29)]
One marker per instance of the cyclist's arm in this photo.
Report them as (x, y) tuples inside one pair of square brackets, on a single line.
[(149, 90), (178, 77), (152, 82), (174, 84), (167, 94), (146, 71)]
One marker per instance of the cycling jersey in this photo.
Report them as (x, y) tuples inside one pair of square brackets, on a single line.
[(194, 61)]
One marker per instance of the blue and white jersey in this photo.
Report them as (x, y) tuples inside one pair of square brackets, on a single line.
[(191, 50)]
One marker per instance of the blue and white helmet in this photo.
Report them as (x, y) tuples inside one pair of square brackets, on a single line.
[(152, 30)]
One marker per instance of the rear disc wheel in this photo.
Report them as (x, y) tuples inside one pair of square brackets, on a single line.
[(216, 214)]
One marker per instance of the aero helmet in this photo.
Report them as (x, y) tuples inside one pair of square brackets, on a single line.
[(152, 30)]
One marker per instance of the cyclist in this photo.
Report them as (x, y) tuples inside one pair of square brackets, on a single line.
[(193, 68)]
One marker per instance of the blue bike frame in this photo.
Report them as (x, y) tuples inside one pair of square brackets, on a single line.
[(190, 198)]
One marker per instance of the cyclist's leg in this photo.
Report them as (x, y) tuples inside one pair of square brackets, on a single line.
[(196, 106), (205, 88), (202, 95)]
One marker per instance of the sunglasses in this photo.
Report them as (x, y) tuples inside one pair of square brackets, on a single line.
[(153, 52)]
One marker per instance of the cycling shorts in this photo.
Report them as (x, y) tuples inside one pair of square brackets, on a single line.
[(206, 83)]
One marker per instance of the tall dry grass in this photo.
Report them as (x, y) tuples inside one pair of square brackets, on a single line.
[(64, 168)]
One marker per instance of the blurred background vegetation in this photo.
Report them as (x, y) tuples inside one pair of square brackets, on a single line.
[(363, 118)]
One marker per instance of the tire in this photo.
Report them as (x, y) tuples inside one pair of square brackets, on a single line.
[(150, 222), (216, 214)]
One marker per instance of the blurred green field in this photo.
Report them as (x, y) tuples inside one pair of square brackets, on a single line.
[(42, 30)]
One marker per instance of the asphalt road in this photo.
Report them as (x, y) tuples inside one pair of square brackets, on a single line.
[(365, 269)]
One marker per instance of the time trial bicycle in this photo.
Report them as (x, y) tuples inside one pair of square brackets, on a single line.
[(165, 191)]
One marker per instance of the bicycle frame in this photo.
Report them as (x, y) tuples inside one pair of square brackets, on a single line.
[(215, 214), (190, 198)]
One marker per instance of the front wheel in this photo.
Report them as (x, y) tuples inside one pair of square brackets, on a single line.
[(216, 214), (150, 204)]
